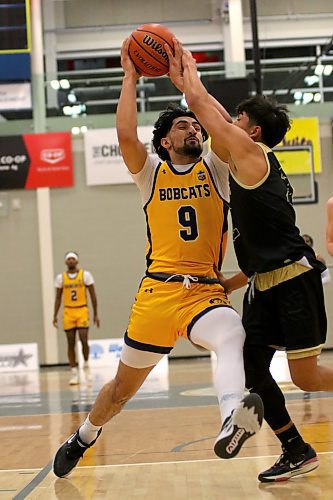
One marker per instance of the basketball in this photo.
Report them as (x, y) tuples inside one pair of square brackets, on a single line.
[(147, 51)]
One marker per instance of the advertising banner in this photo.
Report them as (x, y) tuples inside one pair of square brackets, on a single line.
[(36, 160), (104, 162), (18, 357), (300, 149), (15, 96)]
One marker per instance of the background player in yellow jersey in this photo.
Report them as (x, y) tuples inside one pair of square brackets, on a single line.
[(185, 199), (72, 286)]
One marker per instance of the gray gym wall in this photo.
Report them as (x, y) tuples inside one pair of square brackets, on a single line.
[(105, 224)]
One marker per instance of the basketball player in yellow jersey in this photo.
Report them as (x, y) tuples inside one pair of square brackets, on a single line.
[(72, 285), (185, 200)]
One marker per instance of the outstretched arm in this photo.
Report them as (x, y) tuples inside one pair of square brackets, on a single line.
[(242, 150), (329, 227), (177, 77), (133, 151)]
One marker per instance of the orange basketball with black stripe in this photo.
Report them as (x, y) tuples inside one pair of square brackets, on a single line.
[(147, 49)]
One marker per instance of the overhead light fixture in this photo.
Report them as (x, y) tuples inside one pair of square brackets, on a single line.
[(71, 97), (311, 79), (55, 84), (75, 110), (298, 95), (328, 69), (307, 97), (64, 83), (79, 130), (319, 69)]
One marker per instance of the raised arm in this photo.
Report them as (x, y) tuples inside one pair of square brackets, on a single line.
[(177, 77), (242, 151), (133, 151), (329, 227)]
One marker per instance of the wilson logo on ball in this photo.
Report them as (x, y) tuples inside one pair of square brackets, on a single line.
[(157, 47), (147, 49)]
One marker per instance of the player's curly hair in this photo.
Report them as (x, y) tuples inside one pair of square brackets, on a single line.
[(164, 124), (270, 115)]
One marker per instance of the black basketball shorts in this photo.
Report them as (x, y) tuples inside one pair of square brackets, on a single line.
[(290, 315)]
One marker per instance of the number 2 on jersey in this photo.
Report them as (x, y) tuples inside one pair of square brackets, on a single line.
[(187, 218)]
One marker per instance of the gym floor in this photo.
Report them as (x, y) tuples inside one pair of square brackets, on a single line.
[(160, 446)]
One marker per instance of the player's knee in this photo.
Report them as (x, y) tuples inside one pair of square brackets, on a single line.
[(258, 377), (218, 330), (305, 383)]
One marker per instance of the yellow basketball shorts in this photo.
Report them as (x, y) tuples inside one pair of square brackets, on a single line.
[(75, 317), (164, 311)]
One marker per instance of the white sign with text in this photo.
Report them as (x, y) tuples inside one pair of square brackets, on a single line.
[(15, 96), (103, 159)]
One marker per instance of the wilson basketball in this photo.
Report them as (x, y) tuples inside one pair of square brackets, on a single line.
[(147, 49)]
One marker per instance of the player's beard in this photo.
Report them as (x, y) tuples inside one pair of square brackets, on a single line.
[(193, 150)]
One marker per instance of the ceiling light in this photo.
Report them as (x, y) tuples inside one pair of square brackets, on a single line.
[(328, 69), (64, 84), (55, 84), (319, 69), (311, 79)]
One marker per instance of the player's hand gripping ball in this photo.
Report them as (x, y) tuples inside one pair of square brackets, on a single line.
[(147, 51)]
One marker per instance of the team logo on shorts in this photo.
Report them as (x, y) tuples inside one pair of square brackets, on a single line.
[(201, 175), (216, 301)]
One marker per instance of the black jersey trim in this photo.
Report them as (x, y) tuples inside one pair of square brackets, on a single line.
[(148, 259), (174, 171), (146, 347), (214, 184)]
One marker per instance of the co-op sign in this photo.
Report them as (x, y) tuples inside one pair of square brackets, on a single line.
[(12, 162), (51, 156)]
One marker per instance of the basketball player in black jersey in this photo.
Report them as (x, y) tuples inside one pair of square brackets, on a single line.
[(284, 302)]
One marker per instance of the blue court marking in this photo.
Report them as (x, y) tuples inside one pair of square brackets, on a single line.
[(34, 483)]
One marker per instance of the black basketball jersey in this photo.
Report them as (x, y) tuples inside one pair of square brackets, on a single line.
[(264, 222)]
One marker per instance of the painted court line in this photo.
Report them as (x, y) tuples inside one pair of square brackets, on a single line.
[(34, 483), (44, 472)]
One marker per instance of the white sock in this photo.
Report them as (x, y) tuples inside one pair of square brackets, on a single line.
[(88, 431), (221, 330), (74, 370), (86, 364)]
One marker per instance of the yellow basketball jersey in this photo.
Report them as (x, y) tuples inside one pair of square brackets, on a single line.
[(186, 222), (74, 290)]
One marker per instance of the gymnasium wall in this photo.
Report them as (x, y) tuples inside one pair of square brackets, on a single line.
[(105, 224)]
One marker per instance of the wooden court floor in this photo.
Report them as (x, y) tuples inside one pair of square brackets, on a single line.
[(159, 447)]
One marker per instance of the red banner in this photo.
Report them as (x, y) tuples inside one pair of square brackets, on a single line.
[(36, 160)]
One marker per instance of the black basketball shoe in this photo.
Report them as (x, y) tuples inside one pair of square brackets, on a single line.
[(69, 454), (289, 465), (244, 422)]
